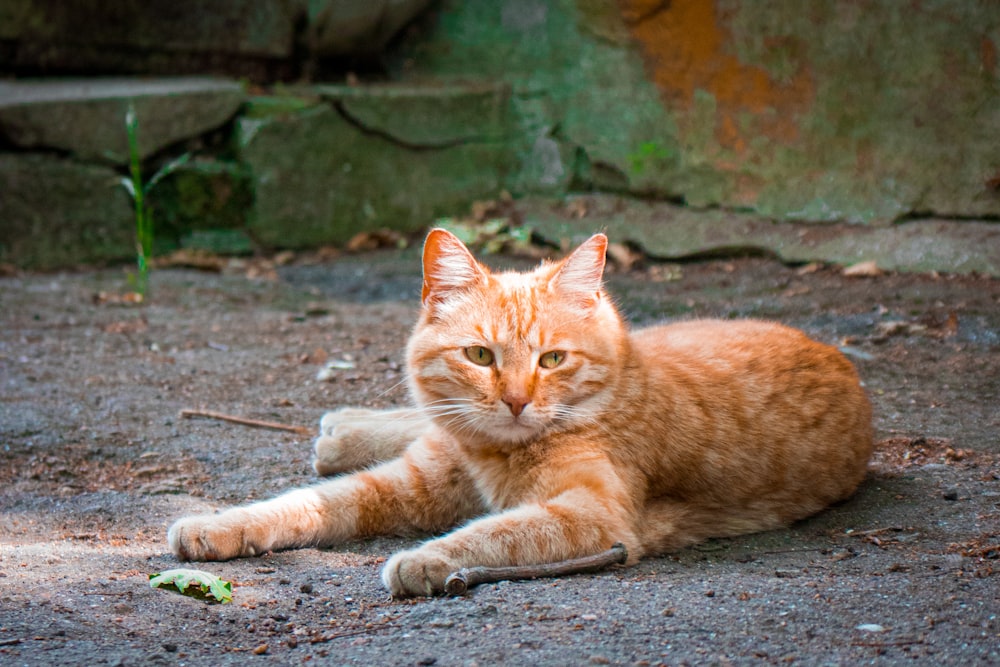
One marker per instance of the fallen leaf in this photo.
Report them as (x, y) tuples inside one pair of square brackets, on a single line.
[(128, 298), (192, 258), (577, 208), (898, 328), (661, 273), (380, 238), (126, 327), (318, 356), (493, 236), (863, 270), (622, 256), (193, 583), (811, 267)]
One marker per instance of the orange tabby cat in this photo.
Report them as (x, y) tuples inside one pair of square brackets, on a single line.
[(546, 430)]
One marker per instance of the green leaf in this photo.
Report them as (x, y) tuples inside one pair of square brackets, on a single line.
[(194, 583), (166, 170), (129, 186)]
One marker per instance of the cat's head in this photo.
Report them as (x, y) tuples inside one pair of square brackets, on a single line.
[(506, 357)]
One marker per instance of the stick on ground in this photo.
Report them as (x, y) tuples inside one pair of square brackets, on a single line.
[(459, 582), (257, 423)]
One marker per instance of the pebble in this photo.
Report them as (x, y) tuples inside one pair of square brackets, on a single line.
[(870, 627)]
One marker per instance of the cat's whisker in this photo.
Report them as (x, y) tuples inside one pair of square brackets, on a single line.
[(393, 388)]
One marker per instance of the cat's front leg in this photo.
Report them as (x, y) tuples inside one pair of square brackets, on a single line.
[(298, 518), (574, 524), (355, 438), (422, 491)]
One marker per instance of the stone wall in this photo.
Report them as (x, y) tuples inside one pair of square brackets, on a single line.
[(867, 113), (862, 111)]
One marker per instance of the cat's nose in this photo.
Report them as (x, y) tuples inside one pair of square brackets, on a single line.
[(516, 404)]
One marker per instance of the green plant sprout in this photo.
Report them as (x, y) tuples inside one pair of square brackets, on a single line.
[(138, 191), (648, 153)]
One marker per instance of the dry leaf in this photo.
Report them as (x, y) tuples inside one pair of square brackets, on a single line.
[(126, 327), (577, 208), (192, 258), (622, 256), (863, 270), (380, 238), (811, 267)]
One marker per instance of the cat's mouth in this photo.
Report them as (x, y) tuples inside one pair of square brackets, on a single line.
[(517, 428)]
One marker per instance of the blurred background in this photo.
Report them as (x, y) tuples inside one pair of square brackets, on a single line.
[(832, 130)]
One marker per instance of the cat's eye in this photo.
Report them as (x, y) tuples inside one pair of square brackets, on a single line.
[(479, 355), (551, 359)]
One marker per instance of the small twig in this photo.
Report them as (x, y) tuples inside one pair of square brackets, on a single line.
[(902, 642), (322, 639), (257, 423), (459, 582), (10, 642)]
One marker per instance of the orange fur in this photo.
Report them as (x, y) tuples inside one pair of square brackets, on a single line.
[(657, 438)]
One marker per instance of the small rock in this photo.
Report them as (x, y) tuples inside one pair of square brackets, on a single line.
[(870, 627), (170, 648), (306, 588), (331, 369), (260, 650), (950, 494)]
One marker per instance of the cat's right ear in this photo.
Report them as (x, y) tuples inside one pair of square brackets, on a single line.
[(448, 266)]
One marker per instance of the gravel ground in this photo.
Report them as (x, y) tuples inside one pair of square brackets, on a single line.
[(96, 463)]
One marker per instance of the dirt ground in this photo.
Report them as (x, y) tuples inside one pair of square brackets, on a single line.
[(96, 463)]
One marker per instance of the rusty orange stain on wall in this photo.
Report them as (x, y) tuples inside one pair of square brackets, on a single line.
[(686, 49), (988, 55)]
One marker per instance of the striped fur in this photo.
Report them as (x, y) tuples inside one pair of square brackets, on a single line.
[(656, 438)]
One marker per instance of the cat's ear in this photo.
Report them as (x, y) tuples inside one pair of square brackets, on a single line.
[(448, 265), (579, 275)]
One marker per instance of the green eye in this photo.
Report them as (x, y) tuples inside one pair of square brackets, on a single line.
[(551, 359), (479, 355)]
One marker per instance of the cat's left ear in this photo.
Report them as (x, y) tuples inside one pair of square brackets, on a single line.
[(579, 275), (448, 266)]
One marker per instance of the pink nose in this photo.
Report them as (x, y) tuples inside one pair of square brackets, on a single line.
[(516, 404)]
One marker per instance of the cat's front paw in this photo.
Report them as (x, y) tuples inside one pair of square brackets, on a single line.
[(419, 572), (203, 538), (341, 446), (329, 422)]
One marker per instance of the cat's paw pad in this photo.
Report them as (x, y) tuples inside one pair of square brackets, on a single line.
[(416, 573), (202, 538)]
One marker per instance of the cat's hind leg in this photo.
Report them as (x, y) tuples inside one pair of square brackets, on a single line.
[(669, 525), (355, 438)]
